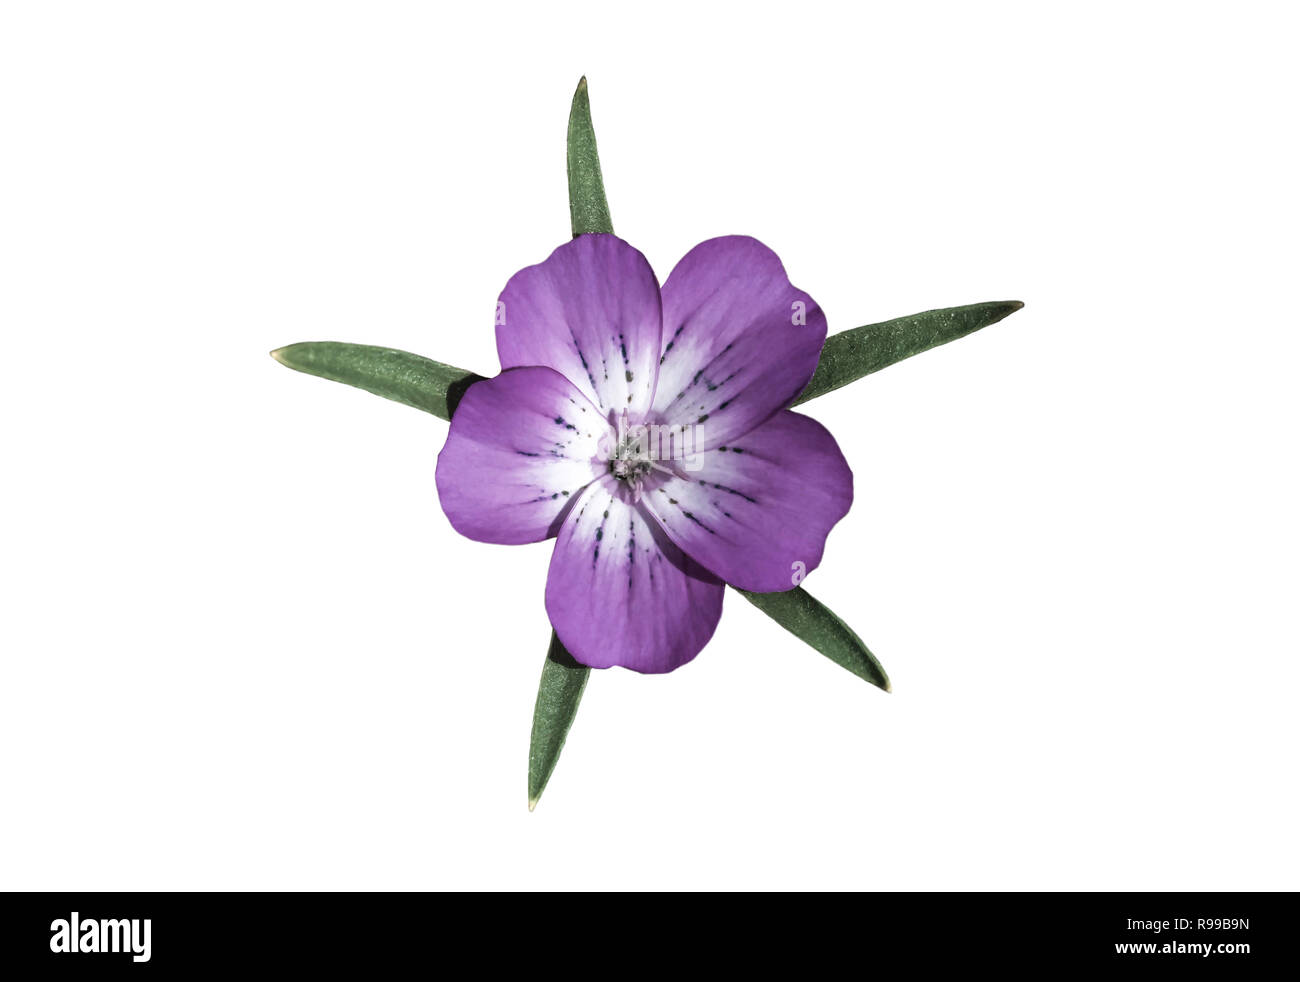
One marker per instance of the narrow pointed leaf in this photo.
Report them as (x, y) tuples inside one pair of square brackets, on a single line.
[(812, 621), (558, 696), (588, 209), (398, 375), (860, 351)]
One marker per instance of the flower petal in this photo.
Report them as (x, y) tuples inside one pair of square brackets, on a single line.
[(521, 447), (739, 342), (757, 512), (619, 593), (591, 311)]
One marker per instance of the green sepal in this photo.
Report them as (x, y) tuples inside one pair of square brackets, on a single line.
[(398, 375), (558, 696), (851, 354), (588, 209), (813, 622)]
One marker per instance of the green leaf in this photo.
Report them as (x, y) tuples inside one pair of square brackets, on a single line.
[(563, 680), (811, 621), (588, 209), (398, 375), (860, 351)]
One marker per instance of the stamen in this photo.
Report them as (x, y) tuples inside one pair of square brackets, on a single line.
[(632, 462)]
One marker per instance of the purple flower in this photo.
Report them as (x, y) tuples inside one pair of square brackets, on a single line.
[(648, 431)]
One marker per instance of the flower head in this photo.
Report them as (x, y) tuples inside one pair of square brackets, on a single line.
[(647, 430)]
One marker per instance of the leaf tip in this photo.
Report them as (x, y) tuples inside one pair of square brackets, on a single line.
[(532, 803), (278, 355)]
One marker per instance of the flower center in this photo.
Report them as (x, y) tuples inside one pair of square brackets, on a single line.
[(631, 462), (636, 459)]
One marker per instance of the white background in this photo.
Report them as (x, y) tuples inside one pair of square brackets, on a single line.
[(243, 648)]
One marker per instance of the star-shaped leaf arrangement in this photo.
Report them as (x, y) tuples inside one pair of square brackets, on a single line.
[(438, 389)]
